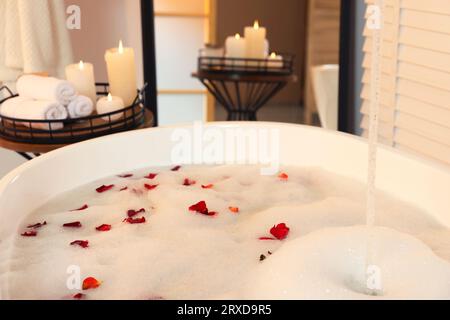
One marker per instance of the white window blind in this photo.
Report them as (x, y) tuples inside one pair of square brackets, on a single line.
[(415, 82)]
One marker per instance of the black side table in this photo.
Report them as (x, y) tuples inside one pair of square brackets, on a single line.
[(243, 86)]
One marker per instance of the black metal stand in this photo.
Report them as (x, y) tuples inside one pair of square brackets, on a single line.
[(74, 130), (243, 86)]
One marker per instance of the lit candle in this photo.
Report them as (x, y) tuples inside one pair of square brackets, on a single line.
[(235, 46), (81, 75), (255, 38), (275, 61), (122, 73), (110, 104)]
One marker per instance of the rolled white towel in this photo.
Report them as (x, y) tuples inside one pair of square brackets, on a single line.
[(79, 107), (46, 88), (29, 109)]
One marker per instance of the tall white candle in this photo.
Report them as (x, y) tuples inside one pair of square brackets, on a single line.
[(81, 75), (235, 47), (255, 38), (122, 73)]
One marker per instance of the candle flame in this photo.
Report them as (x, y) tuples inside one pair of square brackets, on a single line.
[(237, 36), (81, 65), (109, 97), (256, 25), (273, 55), (120, 47)]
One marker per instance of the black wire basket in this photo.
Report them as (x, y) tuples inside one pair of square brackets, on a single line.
[(74, 130), (284, 66)]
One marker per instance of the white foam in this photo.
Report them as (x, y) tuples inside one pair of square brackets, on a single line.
[(181, 255)]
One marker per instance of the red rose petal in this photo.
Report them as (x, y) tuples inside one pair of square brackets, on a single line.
[(31, 233), (127, 175), (84, 207), (79, 296), (201, 207), (280, 231), (124, 188), (187, 182), (90, 283), (234, 209), (283, 176), (81, 243), (267, 238), (176, 168), (37, 225), (150, 186), (132, 213), (208, 186), (135, 220), (151, 176), (103, 227), (76, 224), (104, 188)]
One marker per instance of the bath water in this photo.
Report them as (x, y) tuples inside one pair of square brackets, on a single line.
[(375, 96)]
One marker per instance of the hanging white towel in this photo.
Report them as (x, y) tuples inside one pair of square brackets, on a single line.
[(33, 37), (46, 88), (29, 109), (79, 107)]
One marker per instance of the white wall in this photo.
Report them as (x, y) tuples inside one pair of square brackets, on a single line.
[(103, 24)]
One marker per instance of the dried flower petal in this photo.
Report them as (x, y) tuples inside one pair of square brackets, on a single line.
[(150, 186), (187, 182), (79, 296), (280, 231), (103, 227), (37, 225), (91, 283), (132, 213), (283, 176), (234, 209), (31, 233), (208, 186), (127, 175), (84, 207), (135, 220), (81, 243), (176, 168), (76, 224), (151, 176), (104, 188)]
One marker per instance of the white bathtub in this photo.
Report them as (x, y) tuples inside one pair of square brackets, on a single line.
[(422, 183)]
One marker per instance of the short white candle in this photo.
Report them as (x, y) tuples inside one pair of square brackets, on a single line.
[(275, 61), (255, 38), (81, 75), (213, 53), (110, 104), (122, 73), (235, 46)]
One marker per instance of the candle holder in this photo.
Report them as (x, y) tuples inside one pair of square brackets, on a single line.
[(75, 130), (243, 86)]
